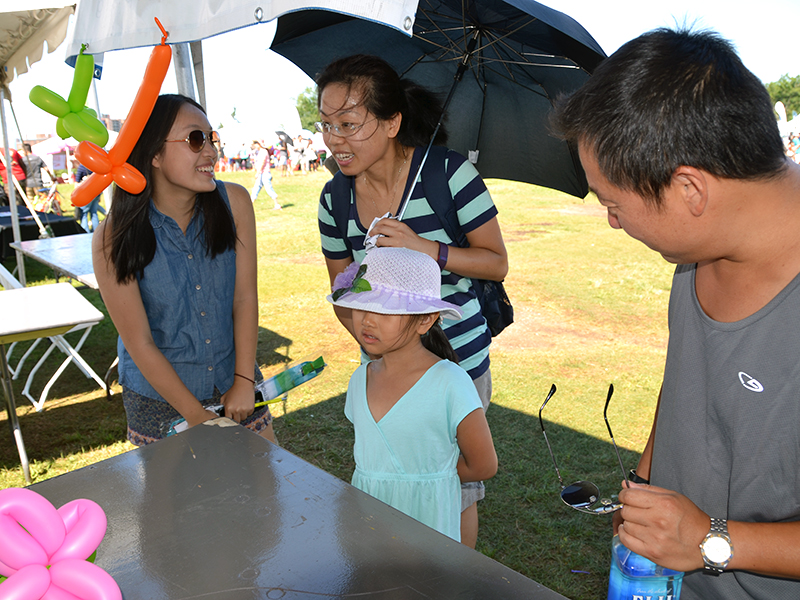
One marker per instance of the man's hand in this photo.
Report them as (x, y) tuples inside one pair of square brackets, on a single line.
[(662, 525)]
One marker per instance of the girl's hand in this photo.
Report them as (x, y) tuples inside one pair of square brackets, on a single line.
[(199, 416), (239, 401)]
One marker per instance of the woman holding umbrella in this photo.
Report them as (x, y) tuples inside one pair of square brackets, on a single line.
[(377, 126)]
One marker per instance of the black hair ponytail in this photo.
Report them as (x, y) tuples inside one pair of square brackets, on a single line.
[(421, 113), (436, 341)]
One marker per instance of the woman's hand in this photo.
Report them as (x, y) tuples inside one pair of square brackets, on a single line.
[(239, 401), (399, 235)]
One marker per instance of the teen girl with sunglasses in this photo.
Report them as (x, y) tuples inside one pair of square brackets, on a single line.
[(176, 266)]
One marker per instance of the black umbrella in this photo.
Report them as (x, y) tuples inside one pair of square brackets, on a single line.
[(284, 138), (512, 57)]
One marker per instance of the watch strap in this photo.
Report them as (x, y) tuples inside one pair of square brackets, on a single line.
[(719, 528), (444, 250)]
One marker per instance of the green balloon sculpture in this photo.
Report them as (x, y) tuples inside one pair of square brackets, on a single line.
[(75, 119)]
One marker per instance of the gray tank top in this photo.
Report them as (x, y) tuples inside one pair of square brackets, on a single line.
[(728, 430)]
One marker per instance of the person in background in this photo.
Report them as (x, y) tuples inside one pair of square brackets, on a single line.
[(680, 144), (283, 158), (33, 172), (419, 424), (88, 215), (377, 126), (261, 164), (18, 169), (176, 265)]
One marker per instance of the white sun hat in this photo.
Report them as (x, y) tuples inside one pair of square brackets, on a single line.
[(393, 281)]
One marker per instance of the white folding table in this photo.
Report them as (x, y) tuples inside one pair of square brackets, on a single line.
[(70, 256), (45, 311)]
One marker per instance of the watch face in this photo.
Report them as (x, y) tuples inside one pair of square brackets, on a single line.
[(717, 549)]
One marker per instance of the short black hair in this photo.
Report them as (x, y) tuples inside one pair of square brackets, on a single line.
[(668, 99)]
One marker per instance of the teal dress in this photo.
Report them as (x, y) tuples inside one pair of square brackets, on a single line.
[(408, 458)]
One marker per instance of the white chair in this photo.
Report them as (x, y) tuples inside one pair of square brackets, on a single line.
[(9, 282)]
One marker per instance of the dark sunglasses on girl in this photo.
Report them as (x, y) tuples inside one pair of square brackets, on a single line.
[(197, 140)]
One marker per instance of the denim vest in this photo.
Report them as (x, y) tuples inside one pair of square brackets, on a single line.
[(188, 298)]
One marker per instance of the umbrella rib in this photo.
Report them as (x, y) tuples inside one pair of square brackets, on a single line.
[(494, 40)]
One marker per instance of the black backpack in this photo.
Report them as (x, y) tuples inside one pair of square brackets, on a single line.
[(495, 305)]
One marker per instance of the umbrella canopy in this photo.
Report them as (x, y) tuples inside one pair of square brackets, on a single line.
[(286, 139), (518, 57)]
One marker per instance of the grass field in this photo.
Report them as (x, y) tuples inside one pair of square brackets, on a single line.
[(590, 306)]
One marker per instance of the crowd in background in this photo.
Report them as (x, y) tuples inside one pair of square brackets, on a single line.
[(286, 154), (792, 145)]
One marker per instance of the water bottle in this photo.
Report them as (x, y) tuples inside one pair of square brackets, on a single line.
[(634, 577)]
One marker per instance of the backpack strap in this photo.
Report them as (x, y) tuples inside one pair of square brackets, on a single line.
[(439, 196), (340, 204), (437, 192)]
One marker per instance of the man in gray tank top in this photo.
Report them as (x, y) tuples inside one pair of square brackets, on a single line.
[(679, 142)]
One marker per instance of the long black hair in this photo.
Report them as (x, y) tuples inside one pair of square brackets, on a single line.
[(385, 94), (133, 241)]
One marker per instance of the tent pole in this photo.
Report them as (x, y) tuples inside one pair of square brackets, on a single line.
[(183, 70), (12, 193), (199, 73), (107, 191)]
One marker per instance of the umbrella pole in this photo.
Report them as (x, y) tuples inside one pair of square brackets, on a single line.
[(12, 193), (462, 68)]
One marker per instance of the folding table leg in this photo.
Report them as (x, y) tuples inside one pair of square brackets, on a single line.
[(15, 371), (11, 409), (72, 355)]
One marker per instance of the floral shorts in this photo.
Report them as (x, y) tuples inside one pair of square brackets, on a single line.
[(149, 419)]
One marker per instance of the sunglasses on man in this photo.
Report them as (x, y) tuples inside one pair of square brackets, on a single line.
[(585, 495), (197, 140)]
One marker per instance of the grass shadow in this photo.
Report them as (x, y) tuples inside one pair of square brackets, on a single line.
[(523, 523)]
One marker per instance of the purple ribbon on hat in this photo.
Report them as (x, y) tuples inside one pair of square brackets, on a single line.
[(351, 280)]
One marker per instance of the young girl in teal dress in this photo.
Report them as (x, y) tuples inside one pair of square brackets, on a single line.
[(420, 430)]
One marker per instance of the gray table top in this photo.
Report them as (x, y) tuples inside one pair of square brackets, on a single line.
[(219, 512), (69, 254)]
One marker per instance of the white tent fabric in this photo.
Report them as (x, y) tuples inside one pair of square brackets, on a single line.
[(24, 32), (22, 37), (106, 25)]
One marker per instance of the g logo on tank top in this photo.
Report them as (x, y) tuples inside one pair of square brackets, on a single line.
[(750, 383)]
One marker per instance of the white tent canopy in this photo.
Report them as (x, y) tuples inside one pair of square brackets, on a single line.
[(23, 34), (106, 25), (109, 26)]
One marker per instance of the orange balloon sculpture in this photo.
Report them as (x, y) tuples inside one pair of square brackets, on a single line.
[(112, 166)]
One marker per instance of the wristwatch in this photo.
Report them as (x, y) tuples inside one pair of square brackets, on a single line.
[(716, 547)]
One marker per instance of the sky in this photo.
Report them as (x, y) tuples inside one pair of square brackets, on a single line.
[(243, 74)]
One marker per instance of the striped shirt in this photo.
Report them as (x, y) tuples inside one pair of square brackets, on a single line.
[(469, 335)]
